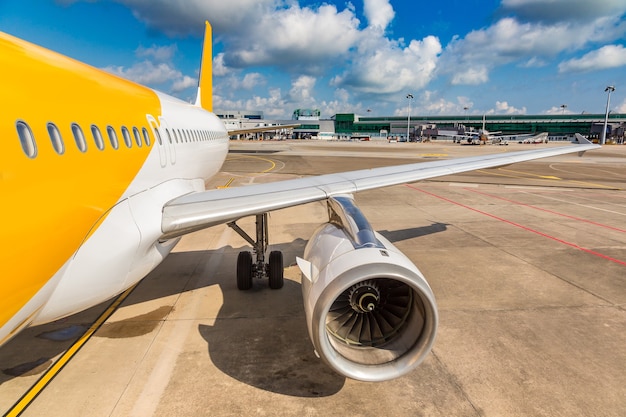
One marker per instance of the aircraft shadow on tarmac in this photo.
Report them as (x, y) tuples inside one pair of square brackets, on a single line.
[(414, 232), (259, 336)]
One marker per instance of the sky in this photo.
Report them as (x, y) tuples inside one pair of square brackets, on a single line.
[(454, 57)]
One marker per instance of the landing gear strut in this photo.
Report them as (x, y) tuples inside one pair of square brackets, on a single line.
[(247, 269)]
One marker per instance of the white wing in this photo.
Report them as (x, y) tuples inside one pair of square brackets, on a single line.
[(204, 209)]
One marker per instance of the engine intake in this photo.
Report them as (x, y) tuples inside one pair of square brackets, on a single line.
[(371, 314)]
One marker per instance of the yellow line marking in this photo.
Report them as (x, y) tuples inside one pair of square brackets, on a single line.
[(548, 177), (595, 185), (272, 167), (47, 377), (431, 155), (231, 158), (230, 181), (544, 177), (266, 160)]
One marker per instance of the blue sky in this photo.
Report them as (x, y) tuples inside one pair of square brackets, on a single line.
[(456, 56)]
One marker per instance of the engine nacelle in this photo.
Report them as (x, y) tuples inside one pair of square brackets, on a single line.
[(371, 315)]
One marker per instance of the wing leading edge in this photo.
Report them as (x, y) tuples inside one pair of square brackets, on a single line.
[(200, 210)]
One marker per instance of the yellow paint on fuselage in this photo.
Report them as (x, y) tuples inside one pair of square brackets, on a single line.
[(51, 202)]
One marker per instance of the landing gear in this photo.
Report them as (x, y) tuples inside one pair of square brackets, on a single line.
[(247, 269)]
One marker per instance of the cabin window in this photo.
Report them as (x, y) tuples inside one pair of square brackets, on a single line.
[(113, 137), (55, 138), (126, 135), (169, 136), (97, 137), (27, 140), (146, 136), (79, 137), (137, 137), (158, 136)]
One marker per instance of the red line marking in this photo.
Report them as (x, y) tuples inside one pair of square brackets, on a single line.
[(573, 245), (547, 211)]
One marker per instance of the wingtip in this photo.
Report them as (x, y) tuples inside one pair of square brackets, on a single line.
[(582, 140)]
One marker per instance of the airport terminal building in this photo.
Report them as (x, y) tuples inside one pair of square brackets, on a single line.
[(350, 125)]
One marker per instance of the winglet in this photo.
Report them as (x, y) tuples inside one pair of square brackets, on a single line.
[(582, 141), (204, 98)]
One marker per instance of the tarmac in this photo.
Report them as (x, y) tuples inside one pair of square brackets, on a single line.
[(527, 262)]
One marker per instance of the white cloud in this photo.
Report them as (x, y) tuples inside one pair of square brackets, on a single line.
[(158, 53), (430, 103), (384, 67), (503, 107), (146, 72), (477, 74), (558, 110), (219, 68), (298, 39), (609, 56), (184, 83), (470, 59), (155, 70), (622, 107), (379, 13), (301, 90), (251, 80)]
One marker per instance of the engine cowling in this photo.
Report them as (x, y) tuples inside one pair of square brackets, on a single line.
[(371, 315)]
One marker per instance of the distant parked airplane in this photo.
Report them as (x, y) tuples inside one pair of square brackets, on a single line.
[(484, 136)]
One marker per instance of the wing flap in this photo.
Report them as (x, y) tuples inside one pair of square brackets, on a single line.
[(208, 208)]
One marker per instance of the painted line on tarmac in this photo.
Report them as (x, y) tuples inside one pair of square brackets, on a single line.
[(30, 395), (230, 181), (265, 171), (551, 177), (519, 203), (528, 229)]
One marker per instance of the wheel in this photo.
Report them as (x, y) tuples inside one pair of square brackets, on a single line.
[(244, 271), (276, 270)]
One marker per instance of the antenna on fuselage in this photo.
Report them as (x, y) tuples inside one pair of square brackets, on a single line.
[(204, 98)]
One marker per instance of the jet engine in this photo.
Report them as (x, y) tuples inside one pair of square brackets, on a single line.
[(371, 315)]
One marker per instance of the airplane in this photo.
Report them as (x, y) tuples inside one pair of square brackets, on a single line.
[(540, 138), (483, 136), (101, 177)]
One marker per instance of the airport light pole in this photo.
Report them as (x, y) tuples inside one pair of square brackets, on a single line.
[(408, 120), (608, 89), (563, 106)]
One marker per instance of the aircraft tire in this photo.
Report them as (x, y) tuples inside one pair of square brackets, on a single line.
[(244, 271), (276, 272)]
